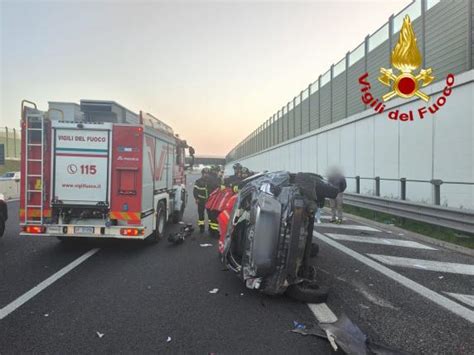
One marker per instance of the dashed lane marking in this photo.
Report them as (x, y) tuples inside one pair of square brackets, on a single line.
[(9, 308), (466, 299), (322, 312), (433, 296), (430, 265), (382, 241), (347, 226)]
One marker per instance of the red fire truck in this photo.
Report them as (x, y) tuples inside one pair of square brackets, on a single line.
[(98, 170)]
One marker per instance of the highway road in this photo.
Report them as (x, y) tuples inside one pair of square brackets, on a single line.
[(124, 297)]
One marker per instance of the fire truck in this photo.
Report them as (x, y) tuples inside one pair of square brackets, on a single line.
[(99, 170)]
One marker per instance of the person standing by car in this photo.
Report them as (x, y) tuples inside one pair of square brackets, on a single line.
[(337, 179), (201, 192)]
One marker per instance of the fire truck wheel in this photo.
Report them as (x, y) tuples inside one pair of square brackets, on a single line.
[(160, 223)]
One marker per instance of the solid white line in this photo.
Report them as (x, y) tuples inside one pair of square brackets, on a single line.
[(5, 311), (347, 226), (431, 265), (440, 300), (322, 312), (382, 241), (466, 299)]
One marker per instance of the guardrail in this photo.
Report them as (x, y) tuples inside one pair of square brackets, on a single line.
[(436, 184), (440, 216)]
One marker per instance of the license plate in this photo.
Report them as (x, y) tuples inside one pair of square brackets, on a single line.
[(84, 230), (54, 230)]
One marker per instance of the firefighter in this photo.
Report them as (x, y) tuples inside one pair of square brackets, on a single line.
[(201, 193), (214, 183), (245, 173), (234, 180)]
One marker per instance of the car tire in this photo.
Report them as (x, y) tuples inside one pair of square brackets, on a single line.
[(159, 231), (309, 292)]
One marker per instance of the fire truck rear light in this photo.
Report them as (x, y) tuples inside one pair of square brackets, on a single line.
[(34, 229), (131, 232)]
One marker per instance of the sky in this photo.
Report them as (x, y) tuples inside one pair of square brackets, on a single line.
[(214, 71)]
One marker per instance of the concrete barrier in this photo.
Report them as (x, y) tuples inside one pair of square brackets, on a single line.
[(10, 189)]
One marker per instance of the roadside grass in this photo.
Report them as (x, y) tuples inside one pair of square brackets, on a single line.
[(10, 165), (436, 232)]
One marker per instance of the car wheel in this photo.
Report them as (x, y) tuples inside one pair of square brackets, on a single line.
[(160, 224), (309, 292)]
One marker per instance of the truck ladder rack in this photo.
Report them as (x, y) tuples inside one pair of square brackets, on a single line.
[(34, 118)]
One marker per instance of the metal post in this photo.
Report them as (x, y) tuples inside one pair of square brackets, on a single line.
[(6, 142), (470, 38), (14, 142), (301, 112), (294, 117), (366, 54), (377, 186), (288, 120), (437, 191), (390, 38), (346, 102), (331, 94), (357, 184), (319, 101), (403, 189), (309, 107)]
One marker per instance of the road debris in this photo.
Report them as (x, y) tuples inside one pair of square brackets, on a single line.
[(298, 325), (168, 339), (46, 314), (214, 290), (99, 334), (346, 335)]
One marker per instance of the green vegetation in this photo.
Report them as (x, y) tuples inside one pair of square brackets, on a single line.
[(440, 233), (10, 165)]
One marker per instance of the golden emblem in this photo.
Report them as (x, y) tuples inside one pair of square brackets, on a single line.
[(406, 58)]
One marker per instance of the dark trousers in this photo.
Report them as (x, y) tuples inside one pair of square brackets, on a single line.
[(201, 218)]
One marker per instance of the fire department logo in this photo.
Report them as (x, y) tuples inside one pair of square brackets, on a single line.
[(406, 58), (405, 80)]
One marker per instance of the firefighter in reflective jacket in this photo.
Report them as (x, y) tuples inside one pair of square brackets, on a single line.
[(234, 180), (201, 192)]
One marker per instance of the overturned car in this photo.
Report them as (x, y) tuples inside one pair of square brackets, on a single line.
[(267, 230)]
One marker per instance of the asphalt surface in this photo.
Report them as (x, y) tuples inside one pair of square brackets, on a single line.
[(131, 298)]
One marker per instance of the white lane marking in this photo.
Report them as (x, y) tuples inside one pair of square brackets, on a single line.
[(329, 218), (347, 226), (435, 297), (466, 299), (322, 312), (5, 311), (431, 265), (382, 241)]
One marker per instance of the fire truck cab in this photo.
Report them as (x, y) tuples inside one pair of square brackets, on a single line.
[(98, 170)]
